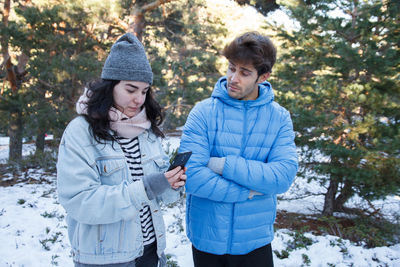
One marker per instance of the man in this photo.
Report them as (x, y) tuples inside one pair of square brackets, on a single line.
[(243, 156)]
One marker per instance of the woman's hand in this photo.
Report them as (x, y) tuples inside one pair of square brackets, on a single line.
[(176, 177)]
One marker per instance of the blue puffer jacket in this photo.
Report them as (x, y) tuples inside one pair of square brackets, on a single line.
[(257, 139)]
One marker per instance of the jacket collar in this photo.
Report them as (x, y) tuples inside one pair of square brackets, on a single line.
[(265, 96)]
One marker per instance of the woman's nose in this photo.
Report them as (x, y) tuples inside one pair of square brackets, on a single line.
[(135, 100)]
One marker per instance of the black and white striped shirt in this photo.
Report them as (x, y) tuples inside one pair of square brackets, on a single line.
[(132, 154)]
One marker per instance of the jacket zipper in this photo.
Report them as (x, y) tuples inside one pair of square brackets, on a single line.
[(242, 147)]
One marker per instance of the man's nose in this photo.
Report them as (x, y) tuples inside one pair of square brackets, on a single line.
[(234, 77)]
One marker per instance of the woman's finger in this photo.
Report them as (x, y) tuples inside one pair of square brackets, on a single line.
[(178, 184), (173, 172)]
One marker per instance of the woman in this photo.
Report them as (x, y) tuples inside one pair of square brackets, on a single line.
[(111, 166)]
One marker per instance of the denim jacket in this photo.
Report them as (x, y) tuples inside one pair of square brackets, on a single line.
[(101, 200)]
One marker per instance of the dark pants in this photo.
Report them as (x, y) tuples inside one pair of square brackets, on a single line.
[(261, 257), (148, 259)]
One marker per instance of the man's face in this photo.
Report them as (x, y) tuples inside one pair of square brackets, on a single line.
[(242, 81)]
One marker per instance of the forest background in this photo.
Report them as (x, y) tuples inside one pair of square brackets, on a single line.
[(337, 73)]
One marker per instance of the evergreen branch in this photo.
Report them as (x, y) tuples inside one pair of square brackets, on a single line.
[(154, 5), (2, 98), (313, 163), (177, 105), (46, 84)]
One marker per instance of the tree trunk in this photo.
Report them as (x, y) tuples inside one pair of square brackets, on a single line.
[(345, 194), (329, 204), (138, 21), (40, 141), (138, 25), (14, 75), (15, 134)]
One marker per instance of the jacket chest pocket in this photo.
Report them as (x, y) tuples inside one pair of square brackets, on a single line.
[(112, 171), (155, 164)]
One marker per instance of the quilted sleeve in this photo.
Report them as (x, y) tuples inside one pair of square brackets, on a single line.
[(202, 181), (274, 176)]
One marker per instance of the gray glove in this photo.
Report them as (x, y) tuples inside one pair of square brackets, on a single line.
[(216, 164), (155, 184)]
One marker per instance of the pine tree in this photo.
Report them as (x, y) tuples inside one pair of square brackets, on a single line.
[(263, 6), (183, 42), (60, 56), (338, 73)]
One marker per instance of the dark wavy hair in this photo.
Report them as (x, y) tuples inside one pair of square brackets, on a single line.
[(253, 48), (100, 94)]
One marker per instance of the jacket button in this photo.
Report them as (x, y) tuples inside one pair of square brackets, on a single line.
[(155, 210)]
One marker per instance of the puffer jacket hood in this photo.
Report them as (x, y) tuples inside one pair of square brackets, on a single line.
[(266, 94)]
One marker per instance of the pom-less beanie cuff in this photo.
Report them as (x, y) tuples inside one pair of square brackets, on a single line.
[(127, 61), (127, 75)]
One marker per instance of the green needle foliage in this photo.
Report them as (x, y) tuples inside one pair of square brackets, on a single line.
[(182, 39), (61, 51), (338, 74)]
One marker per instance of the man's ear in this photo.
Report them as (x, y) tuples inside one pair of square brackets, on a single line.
[(263, 77)]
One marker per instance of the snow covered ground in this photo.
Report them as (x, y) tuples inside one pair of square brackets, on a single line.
[(33, 230)]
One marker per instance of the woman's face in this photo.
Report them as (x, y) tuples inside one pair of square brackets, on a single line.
[(129, 96)]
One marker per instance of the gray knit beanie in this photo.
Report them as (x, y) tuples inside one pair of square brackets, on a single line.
[(127, 61)]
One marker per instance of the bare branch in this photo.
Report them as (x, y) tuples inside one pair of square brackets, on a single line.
[(121, 23), (302, 196)]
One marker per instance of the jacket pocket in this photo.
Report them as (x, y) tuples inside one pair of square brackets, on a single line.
[(161, 163), (109, 238), (112, 171), (154, 164)]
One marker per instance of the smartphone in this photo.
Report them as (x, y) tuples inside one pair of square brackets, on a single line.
[(180, 160)]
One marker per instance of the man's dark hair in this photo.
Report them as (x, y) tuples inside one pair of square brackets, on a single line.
[(252, 48), (100, 94)]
